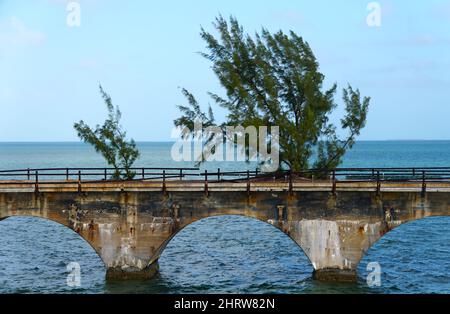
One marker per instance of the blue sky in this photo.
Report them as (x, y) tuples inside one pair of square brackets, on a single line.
[(143, 51)]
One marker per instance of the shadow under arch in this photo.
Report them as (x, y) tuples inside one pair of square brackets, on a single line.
[(242, 219), (66, 227), (416, 237)]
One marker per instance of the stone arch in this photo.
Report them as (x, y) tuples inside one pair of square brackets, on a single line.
[(279, 228), (66, 227), (395, 226)]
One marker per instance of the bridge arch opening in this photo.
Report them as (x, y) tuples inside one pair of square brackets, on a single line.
[(413, 257), (35, 253), (233, 253)]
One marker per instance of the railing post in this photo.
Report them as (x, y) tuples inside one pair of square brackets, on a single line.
[(248, 182), (67, 174), (378, 183), (36, 184), (79, 181), (290, 183), (164, 182), (206, 183), (424, 184), (218, 174), (106, 174), (181, 174), (256, 171), (143, 173), (28, 174), (334, 182)]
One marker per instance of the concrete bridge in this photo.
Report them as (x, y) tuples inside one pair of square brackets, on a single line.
[(129, 223)]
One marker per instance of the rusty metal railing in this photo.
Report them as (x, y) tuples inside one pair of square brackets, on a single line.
[(62, 175), (144, 173), (423, 175)]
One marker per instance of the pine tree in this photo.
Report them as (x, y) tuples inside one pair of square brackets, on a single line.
[(274, 80), (110, 141)]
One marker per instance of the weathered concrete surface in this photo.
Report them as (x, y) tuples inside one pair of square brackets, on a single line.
[(129, 224)]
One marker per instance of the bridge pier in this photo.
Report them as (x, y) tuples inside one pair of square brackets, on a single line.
[(335, 274), (132, 273)]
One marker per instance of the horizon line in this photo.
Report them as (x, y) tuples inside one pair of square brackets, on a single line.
[(172, 141)]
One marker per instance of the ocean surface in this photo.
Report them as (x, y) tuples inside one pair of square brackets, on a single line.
[(227, 254)]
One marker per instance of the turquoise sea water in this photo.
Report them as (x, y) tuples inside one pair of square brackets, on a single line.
[(226, 254)]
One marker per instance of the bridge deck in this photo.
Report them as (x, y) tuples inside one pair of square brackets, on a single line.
[(225, 186)]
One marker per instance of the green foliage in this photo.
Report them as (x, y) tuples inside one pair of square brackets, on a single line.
[(274, 80), (110, 141)]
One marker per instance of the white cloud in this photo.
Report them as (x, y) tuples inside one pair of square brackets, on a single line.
[(13, 31)]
